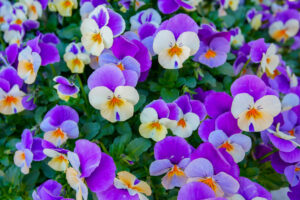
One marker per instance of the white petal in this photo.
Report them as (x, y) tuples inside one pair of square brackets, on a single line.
[(270, 104), (241, 103), (89, 26), (163, 40), (107, 36), (189, 39), (292, 27), (275, 27), (127, 92), (148, 115), (51, 153), (99, 95), (271, 50), (290, 100), (192, 120), (237, 153)]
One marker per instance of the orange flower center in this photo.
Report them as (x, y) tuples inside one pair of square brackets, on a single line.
[(210, 54), (181, 123), (156, 125), (281, 34), (97, 38), (18, 21), (2, 20), (10, 100), (268, 60), (175, 50), (292, 132), (120, 66), (175, 171), (58, 133), (227, 146), (67, 4), (76, 62), (297, 169), (253, 113), (23, 156), (33, 8), (210, 182), (115, 102)]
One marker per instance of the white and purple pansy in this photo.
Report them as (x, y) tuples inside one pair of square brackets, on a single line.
[(176, 42), (65, 88), (145, 17), (59, 124), (34, 9), (99, 29), (112, 94), (76, 57)]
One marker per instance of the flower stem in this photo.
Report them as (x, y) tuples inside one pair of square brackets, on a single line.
[(244, 67), (268, 154), (83, 94), (53, 69)]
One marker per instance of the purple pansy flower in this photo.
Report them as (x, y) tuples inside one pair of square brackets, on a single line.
[(214, 46), (170, 6), (196, 191), (65, 89), (252, 106), (175, 42), (59, 124), (202, 170), (154, 120), (111, 94), (49, 190), (171, 157), (145, 17), (90, 165), (28, 149), (236, 145), (190, 113), (14, 34), (294, 192), (292, 174), (99, 29)]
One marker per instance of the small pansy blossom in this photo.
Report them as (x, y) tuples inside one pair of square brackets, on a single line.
[(196, 191), (171, 157), (292, 173), (175, 47), (76, 57), (189, 116), (65, 88), (255, 116), (232, 4), (237, 37), (202, 170), (170, 6), (14, 34), (10, 94), (29, 64), (34, 9), (154, 119), (254, 18), (270, 61), (144, 17), (59, 124), (28, 149), (19, 14), (99, 29), (50, 189), (110, 93), (236, 145), (281, 32), (65, 7)]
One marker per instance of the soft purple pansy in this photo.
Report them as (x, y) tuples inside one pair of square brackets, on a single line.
[(59, 124), (49, 190), (172, 156), (94, 2), (28, 150), (217, 103), (113, 193), (28, 102), (195, 191), (65, 89), (221, 183), (12, 53), (170, 6), (145, 17), (292, 173), (236, 145), (294, 192), (250, 190), (258, 47)]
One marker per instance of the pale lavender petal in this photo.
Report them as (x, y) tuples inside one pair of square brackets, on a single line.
[(37, 149), (70, 128), (200, 167), (195, 191), (228, 184), (159, 167)]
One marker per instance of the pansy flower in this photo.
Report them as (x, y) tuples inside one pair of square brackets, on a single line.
[(5, 14), (232, 4), (126, 4), (126, 186), (59, 160), (90, 168), (59, 124), (34, 9), (292, 174), (144, 17), (65, 88), (29, 64), (253, 108), (285, 25), (176, 42), (270, 61), (170, 6), (28, 149), (196, 191), (236, 145), (214, 46), (14, 34), (19, 13), (202, 170), (189, 116), (237, 37), (110, 93), (10, 94), (154, 120), (65, 7), (171, 157), (99, 29), (49, 190), (294, 192), (76, 57)]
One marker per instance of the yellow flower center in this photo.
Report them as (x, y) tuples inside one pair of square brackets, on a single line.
[(115, 102), (175, 50), (76, 62), (97, 38), (120, 66), (67, 4), (280, 34), (210, 182), (210, 54), (10, 100), (253, 113), (33, 8), (156, 125), (18, 21), (58, 133), (175, 171), (227, 146), (297, 169)]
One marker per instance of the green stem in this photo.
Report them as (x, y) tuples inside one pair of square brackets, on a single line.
[(244, 67), (103, 147), (267, 155), (83, 94), (53, 69)]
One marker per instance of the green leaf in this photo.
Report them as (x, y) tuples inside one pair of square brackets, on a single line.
[(229, 20), (30, 179), (107, 129), (39, 113), (225, 69), (169, 95), (70, 32), (118, 146), (123, 128), (191, 82), (90, 130), (171, 75), (137, 146)]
